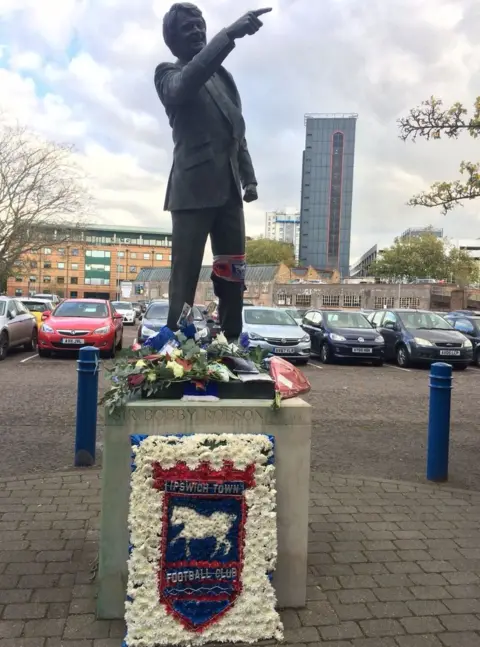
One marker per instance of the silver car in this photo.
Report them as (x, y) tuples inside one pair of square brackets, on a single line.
[(276, 331), (18, 327)]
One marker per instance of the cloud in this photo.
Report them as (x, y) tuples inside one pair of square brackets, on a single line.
[(81, 71)]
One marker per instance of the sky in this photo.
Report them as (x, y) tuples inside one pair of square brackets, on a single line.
[(81, 72)]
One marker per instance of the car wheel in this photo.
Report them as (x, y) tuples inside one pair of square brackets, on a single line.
[(403, 356), (326, 355), (378, 362), (120, 343), (44, 353), (460, 367), (302, 362), (33, 343), (477, 357), (3, 346)]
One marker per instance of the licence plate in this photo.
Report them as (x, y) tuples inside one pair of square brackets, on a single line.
[(73, 341), (450, 353), (362, 350), (285, 351)]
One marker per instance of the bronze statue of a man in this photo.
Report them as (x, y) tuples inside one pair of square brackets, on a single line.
[(211, 162)]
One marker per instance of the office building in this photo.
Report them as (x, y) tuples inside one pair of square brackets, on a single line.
[(415, 232), (327, 189), (284, 226), (361, 267), (93, 261)]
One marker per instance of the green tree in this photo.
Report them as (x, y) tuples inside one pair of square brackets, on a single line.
[(262, 251), (426, 257), (40, 187), (431, 121)]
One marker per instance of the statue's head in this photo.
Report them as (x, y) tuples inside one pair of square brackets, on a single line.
[(184, 30)]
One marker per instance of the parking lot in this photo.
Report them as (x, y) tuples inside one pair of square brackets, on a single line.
[(367, 421)]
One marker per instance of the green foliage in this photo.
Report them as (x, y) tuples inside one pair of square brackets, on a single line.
[(262, 251), (431, 121), (426, 257)]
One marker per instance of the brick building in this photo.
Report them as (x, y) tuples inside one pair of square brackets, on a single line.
[(91, 261), (260, 281)]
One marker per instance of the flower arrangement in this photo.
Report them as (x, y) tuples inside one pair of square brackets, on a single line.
[(203, 539), (179, 358)]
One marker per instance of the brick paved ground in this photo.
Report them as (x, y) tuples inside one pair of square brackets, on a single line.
[(390, 565)]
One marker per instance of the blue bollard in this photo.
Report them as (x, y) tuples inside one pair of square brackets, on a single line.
[(439, 421), (87, 397)]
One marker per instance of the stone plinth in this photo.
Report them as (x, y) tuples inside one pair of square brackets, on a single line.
[(291, 427)]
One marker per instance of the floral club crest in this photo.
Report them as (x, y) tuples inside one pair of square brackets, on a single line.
[(203, 540)]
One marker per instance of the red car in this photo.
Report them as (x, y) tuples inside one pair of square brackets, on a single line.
[(81, 322)]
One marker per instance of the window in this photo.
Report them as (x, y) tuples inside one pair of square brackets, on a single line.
[(133, 255), (265, 287), (409, 302), (73, 294), (331, 300), (47, 251), (132, 269), (384, 302), (121, 254), (33, 265), (146, 257), (209, 294), (120, 268), (18, 292), (304, 300), (98, 267), (61, 251), (75, 251), (60, 279), (170, 257), (465, 326), (97, 281), (47, 265), (74, 280), (159, 257), (18, 278), (97, 253), (377, 318), (82, 309), (313, 318), (390, 318), (32, 278), (47, 279), (61, 266), (74, 266), (352, 301), (284, 299)]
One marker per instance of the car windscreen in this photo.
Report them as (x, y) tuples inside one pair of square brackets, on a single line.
[(260, 317), (347, 320), (424, 321), (157, 311), (79, 309), (36, 306), (122, 305), (2, 308)]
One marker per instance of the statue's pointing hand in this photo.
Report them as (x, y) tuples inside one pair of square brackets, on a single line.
[(248, 24)]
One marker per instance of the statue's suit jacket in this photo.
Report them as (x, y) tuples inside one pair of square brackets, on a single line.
[(208, 129)]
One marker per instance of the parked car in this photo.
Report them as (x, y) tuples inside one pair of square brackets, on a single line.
[(81, 322), (18, 327), (338, 334), (138, 309), (37, 307), (421, 336), (277, 332), (295, 313), (54, 298), (126, 309), (469, 325), (156, 317)]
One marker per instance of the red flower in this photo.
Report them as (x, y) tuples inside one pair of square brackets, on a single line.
[(185, 363), (135, 380)]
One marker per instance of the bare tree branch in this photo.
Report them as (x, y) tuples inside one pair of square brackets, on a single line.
[(41, 190)]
